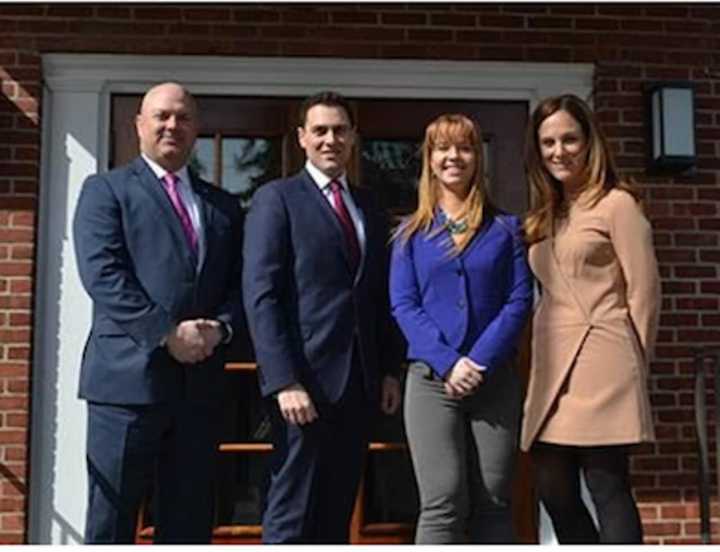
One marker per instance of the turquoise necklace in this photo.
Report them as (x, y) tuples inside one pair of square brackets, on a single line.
[(454, 227)]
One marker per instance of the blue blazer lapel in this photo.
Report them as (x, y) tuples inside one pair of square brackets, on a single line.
[(149, 182)]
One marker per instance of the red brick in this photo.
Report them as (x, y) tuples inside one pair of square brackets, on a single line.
[(11, 504), (14, 336), (19, 9), (12, 522), (18, 353), (596, 24), (15, 268), (695, 271), (403, 18), (710, 287), (113, 12), (429, 35), (452, 20), (14, 302), (255, 15), (354, 17), (157, 13), (22, 219), (69, 10), (524, 8), (206, 14), (679, 320), (12, 436), (17, 319), (16, 387), (12, 370), (15, 454), (17, 420), (13, 403)]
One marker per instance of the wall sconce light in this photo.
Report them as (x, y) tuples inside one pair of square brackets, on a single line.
[(672, 126)]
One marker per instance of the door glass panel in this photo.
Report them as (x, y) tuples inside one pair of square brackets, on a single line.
[(202, 160), (392, 168), (247, 163)]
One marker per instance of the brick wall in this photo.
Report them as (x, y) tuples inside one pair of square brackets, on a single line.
[(629, 44)]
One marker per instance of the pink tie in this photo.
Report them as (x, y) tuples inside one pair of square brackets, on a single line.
[(347, 224), (170, 182)]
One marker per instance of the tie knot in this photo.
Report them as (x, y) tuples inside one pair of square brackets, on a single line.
[(335, 185), (170, 180)]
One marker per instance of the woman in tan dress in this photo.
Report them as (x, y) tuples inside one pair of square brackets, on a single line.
[(594, 328)]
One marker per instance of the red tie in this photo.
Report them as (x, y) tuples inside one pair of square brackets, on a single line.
[(170, 182), (347, 224)]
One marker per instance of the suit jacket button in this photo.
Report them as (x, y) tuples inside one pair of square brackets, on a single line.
[(461, 304)]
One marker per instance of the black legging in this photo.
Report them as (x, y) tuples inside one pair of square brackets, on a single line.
[(557, 477)]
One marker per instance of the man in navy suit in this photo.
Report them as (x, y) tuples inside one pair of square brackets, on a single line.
[(315, 289), (158, 251)]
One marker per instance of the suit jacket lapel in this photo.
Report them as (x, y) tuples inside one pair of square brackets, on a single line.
[(149, 182), (207, 214), (328, 213)]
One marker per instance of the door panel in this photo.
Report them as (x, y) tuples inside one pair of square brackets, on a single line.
[(243, 143)]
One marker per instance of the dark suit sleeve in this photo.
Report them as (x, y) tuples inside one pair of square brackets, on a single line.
[(106, 269), (499, 339), (267, 274)]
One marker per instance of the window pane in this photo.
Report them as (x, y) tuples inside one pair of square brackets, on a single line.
[(247, 163), (202, 159), (392, 168)]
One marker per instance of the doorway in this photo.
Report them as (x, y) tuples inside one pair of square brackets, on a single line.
[(247, 141)]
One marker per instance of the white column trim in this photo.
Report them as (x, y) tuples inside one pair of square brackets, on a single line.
[(75, 123)]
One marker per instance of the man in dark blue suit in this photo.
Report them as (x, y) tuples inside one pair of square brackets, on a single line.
[(315, 289), (158, 251)]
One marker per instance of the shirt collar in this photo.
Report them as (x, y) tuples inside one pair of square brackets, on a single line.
[(322, 180), (160, 172)]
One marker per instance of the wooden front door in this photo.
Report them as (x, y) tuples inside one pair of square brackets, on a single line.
[(243, 143)]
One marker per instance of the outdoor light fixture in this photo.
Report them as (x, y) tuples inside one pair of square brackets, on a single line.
[(672, 126)]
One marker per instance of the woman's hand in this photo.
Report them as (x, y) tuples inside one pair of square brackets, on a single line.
[(464, 378)]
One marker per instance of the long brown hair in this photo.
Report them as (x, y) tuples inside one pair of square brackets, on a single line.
[(453, 129), (599, 173)]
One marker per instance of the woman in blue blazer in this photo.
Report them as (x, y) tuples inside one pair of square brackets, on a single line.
[(461, 292)]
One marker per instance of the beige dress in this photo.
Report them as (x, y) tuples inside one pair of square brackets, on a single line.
[(594, 328)]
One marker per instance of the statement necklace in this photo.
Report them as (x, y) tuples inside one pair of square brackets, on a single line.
[(453, 226)]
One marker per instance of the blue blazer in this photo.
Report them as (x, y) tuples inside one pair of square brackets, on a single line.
[(475, 304), (306, 310), (135, 264)]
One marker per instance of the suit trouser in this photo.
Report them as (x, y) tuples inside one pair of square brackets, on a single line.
[(316, 470), (463, 452), (174, 444)]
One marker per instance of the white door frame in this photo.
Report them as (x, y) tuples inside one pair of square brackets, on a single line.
[(75, 130)]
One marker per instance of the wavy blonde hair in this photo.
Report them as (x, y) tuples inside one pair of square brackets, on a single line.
[(452, 129), (599, 173)]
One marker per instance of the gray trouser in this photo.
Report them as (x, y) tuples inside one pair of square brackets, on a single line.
[(463, 453)]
